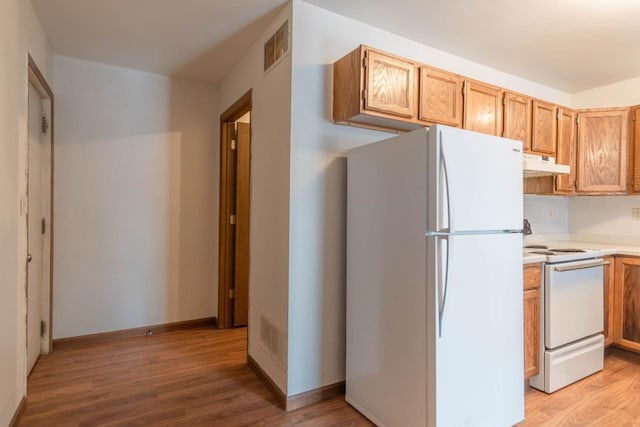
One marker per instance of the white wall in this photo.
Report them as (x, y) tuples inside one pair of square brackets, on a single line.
[(20, 33), (548, 215), (620, 94), (270, 138), (318, 178), (604, 219), (136, 199)]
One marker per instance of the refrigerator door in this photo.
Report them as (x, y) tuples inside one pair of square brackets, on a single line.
[(475, 368), (474, 182)]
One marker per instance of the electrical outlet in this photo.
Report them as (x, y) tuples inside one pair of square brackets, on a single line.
[(635, 214)]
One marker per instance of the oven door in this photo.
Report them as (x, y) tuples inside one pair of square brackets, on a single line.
[(573, 301)]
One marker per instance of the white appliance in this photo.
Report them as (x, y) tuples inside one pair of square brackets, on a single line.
[(571, 318), (537, 166), (434, 280)]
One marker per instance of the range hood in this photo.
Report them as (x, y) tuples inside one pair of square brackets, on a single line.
[(534, 166)]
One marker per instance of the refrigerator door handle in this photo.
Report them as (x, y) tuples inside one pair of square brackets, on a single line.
[(442, 287), (443, 162)]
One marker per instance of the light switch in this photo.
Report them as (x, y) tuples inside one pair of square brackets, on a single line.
[(635, 213)]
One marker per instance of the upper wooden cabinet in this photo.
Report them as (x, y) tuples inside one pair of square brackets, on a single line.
[(517, 119), (634, 146), (626, 332), (566, 150), (390, 84), (375, 89), (601, 160), (440, 97), (543, 139), (482, 108)]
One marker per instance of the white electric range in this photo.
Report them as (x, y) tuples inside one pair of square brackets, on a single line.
[(571, 316)]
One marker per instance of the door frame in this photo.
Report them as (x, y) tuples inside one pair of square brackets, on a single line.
[(38, 81), (225, 246)]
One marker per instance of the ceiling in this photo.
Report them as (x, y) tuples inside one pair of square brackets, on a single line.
[(193, 39), (570, 45)]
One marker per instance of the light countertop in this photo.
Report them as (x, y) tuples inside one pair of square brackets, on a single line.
[(605, 249)]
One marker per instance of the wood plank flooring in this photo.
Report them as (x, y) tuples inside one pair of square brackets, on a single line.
[(195, 377), (610, 398), (199, 378)]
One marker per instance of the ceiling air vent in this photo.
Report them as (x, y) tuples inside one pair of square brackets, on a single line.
[(277, 45)]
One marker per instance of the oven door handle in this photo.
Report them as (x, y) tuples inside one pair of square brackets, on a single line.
[(572, 267)]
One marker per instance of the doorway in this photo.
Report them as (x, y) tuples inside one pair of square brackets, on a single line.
[(38, 207), (235, 201)]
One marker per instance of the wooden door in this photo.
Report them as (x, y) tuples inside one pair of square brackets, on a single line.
[(241, 267), (482, 108), (566, 150), (608, 281), (35, 215), (234, 231), (602, 151), (517, 119), (440, 97), (627, 303), (544, 135), (390, 84), (531, 308)]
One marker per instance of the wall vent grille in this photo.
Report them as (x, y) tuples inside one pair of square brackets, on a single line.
[(273, 341), (277, 46)]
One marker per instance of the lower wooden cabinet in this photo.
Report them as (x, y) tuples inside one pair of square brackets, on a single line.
[(532, 279), (609, 310), (627, 304)]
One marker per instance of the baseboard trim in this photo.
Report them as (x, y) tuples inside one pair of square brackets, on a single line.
[(82, 340), (18, 414), (279, 395), (310, 397)]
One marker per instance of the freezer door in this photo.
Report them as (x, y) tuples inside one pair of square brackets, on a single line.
[(475, 361), (475, 181)]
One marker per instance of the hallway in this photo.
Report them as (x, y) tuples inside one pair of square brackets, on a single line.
[(182, 378)]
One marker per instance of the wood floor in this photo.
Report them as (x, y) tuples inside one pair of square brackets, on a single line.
[(610, 398), (200, 378), (184, 378)]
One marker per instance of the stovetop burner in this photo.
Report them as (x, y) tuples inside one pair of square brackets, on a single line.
[(555, 255), (536, 247), (546, 250)]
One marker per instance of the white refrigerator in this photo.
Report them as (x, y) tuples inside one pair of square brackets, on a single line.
[(434, 280)]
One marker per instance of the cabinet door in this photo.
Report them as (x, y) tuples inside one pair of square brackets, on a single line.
[(627, 303), (602, 151), (531, 332), (482, 108), (544, 135), (517, 119), (635, 178), (531, 307), (566, 149), (440, 97), (390, 84), (608, 281)]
